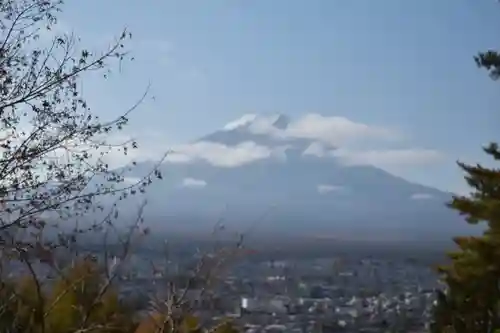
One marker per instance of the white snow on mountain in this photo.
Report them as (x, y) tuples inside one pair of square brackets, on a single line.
[(327, 188), (240, 122)]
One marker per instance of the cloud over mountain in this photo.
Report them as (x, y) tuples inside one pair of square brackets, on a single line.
[(218, 154), (253, 138), (326, 137), (333, 131), (388, 157)]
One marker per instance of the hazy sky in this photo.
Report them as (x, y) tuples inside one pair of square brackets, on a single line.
[(403, 65)]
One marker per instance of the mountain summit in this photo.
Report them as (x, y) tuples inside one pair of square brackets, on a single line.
[(292, 181), (267, 130)]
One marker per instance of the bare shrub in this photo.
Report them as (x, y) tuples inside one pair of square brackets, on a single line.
[(55, 187)]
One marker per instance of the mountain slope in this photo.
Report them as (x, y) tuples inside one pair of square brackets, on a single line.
[(285, 190)]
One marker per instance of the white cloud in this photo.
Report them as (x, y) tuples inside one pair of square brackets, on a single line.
[(421, 196), (388, 157), (334, 131), (244, 120), (193, 183), (326, 188), (266, 125), (132, 180), (219, 154), (383, 158), (315, 149)]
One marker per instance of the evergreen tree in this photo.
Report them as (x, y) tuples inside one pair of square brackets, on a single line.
[(470, 302)]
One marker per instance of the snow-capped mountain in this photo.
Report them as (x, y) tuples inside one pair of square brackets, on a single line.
[(284, 176)]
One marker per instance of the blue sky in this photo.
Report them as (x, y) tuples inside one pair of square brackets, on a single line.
[(405, 65)]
